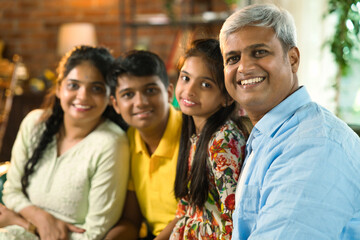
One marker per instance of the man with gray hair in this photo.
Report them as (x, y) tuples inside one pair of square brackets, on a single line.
[(300, 179)]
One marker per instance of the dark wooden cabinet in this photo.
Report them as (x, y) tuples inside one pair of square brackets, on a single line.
[(22, 105)]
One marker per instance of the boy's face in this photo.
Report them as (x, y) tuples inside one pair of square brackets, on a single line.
[(143, 102)]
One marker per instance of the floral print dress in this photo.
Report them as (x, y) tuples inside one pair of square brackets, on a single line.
[(226, 152)]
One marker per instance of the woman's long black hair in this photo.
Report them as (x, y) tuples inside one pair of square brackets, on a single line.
[(53, 115), (194, 185)]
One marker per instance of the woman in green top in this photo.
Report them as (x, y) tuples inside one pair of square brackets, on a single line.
[(69, 165)]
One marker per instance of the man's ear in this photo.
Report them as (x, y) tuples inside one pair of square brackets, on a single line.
[(294, 58), (114, 104), (227, 101), (170, 91)]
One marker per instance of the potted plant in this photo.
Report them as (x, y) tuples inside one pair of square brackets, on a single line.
[(344, 40)]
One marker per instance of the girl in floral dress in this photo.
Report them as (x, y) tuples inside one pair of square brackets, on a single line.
[(211, 148)]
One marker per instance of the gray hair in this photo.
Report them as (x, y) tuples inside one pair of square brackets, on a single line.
[(262, 15)]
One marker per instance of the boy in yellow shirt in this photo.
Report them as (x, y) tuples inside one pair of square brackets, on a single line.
[(141, 94)]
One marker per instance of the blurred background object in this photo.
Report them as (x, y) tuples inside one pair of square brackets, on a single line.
[(73, 34)]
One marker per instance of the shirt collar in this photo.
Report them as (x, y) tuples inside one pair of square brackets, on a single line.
[(272, 120), (168, 141)]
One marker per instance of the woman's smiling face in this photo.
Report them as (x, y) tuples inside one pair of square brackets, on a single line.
[(83, 94)]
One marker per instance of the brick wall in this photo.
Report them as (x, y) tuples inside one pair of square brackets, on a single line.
[(29, 27)]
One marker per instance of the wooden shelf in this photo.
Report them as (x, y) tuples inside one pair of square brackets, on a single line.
[(132, 20), (175, 23), (153, 20)]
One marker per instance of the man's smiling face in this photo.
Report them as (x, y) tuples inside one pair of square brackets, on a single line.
[(258, 73)]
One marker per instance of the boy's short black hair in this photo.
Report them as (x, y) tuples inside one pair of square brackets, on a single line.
[(138, 63)]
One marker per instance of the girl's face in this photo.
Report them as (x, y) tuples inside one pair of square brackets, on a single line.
[(197, 92), (83, 94)]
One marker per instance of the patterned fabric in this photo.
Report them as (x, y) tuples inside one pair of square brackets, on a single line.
[(15, 232), (214, 221)]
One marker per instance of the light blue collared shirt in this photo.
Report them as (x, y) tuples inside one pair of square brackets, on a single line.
[(304, 180)]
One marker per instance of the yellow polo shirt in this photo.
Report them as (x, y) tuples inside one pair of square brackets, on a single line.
[(152, 177)]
